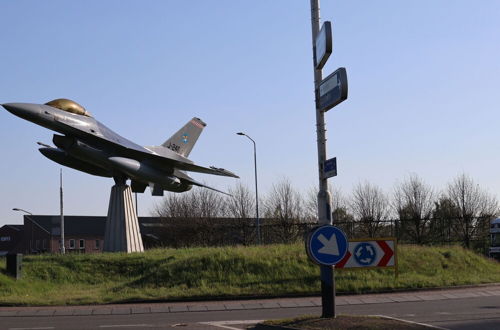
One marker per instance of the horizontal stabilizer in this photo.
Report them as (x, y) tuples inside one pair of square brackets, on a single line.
[(199, 184)]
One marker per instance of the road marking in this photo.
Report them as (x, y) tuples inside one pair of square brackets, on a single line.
[(127, 325), (411, 322), (226, 324), (39, 328)]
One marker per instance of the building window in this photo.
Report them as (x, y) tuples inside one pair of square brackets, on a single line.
[(82, 244), (37, 244), (44, 244), (5, 238), (71, 243), (97, 244)]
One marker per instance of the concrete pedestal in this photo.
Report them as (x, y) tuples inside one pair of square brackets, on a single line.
[(122, 226)]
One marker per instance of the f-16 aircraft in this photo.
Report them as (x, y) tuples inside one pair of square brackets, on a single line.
[(87, 145)]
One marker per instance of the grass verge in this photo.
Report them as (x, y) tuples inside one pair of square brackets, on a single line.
[(226, 272)]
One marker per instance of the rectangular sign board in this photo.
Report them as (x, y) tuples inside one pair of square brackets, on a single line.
[(370, 253), (330, 167), (332, 90), (323, 45)]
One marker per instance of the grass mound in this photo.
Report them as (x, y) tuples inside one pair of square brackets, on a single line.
[(205, 273)]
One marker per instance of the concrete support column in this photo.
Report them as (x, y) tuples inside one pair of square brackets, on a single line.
[(122, 226)]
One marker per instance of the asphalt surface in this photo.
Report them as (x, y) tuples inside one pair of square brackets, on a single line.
[(460, 308)]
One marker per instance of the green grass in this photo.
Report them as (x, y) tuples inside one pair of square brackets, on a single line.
[(206, 273)]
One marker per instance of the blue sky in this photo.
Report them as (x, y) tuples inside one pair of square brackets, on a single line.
[(423, 90)]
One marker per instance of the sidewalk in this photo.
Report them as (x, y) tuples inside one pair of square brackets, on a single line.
[(202, 306)]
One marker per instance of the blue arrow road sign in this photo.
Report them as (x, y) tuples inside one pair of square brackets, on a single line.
[(326, 245)]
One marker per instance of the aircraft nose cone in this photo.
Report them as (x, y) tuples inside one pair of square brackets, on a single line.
[(10, 107), (22, 110)]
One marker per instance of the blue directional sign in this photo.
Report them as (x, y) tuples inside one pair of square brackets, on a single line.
[(332, 90), (326, 245), (330, 168), (365, 253)]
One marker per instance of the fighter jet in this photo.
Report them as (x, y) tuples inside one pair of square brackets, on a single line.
[(87, 145)]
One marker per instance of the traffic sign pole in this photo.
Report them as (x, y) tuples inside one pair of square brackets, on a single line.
[(327, 291), (324, 197)]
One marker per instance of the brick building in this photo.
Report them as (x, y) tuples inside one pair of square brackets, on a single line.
[(82, 234)]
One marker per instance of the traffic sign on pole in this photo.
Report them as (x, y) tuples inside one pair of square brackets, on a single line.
[(323, 45), (330, 168), (332, 90), (370, 253), (326, 245)]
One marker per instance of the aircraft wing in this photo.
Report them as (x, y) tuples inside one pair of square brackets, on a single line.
[(207, 170), (129, 149)]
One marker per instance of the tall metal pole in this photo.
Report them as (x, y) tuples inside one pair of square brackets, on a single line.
[(63, 248), (257, 219), (324, 197), (256, 191)]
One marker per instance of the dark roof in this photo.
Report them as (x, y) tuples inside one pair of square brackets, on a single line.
[(16, 227), (73, 225)]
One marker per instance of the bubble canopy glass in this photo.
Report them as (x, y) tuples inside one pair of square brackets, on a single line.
[(69, 106)]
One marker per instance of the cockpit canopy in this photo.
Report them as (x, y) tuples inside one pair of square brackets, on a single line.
[(69, 106)]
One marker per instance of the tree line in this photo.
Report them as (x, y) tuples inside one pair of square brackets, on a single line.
[(413, 211)]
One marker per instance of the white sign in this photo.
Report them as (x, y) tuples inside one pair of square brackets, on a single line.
[(369, 253)]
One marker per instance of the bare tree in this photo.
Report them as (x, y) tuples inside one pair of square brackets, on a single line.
[(174, 205), (339, 202), (444, 217), (193, 215), (241, 203), (284, 206), (414, 203), (241, 207), (197, 203), (475, 206), (370, 207), (210, 204), (311, 205)]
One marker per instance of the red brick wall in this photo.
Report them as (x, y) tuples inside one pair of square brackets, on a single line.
[(35, 239), (89, 244)]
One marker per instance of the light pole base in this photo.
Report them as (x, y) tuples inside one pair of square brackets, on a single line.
[(122, 225)]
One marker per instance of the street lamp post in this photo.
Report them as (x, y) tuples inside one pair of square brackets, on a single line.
[(257, 220)]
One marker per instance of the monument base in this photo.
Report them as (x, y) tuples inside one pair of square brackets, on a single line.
[(122, 226)]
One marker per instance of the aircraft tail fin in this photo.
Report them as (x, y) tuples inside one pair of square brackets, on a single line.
[(182, 142)]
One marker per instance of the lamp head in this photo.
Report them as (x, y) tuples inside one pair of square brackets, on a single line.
[(241, 133)]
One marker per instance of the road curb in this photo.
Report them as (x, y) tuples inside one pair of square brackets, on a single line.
[(229, 305)]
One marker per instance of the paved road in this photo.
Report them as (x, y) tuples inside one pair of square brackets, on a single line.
[(464, 308)]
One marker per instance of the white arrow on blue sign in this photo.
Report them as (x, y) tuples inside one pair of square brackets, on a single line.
[(326, 245)]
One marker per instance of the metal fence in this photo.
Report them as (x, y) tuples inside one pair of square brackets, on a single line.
[(182, 232)]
